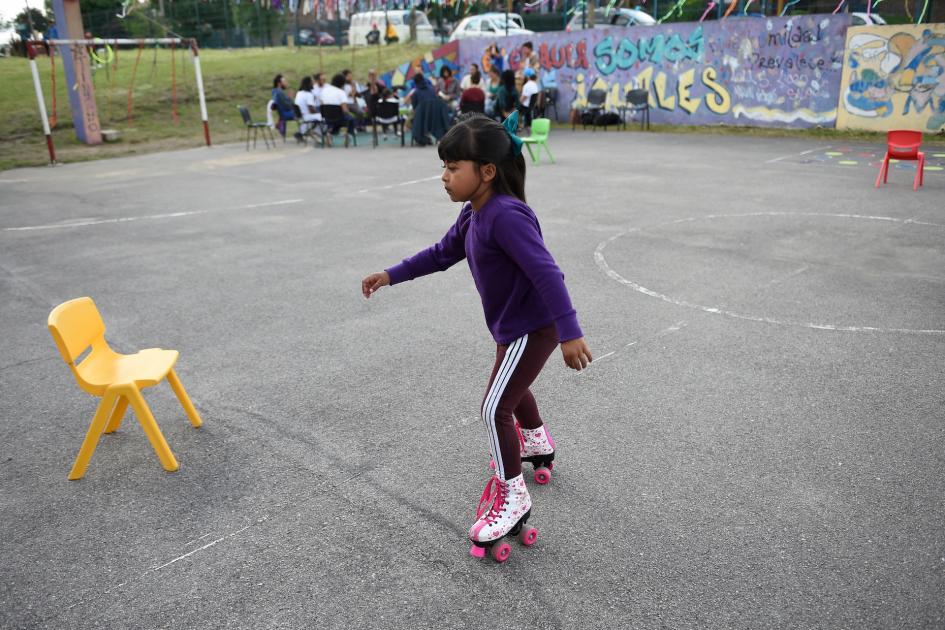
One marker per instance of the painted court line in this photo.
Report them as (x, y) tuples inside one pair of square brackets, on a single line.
[(613, 275), (413, 181), (784, 157), (149, 217)]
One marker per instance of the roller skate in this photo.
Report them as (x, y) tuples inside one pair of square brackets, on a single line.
[(538, 449), (503, 511)]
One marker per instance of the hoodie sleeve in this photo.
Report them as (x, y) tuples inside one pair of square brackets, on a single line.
[(439, 257), (517, 233)]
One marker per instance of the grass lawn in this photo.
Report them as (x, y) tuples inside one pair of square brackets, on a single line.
[(231, 78)]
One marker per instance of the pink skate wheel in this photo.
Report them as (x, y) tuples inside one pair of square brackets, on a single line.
[(477, 552), (528, 536), (542, 475), (501, 551)]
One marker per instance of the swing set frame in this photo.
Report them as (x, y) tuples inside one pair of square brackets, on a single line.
[(33, 46)]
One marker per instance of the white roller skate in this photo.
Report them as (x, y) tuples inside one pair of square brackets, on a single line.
[(538, 449), (503, 511)]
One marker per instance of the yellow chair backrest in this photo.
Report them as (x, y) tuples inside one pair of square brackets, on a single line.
[(75, 325), (540, 128)]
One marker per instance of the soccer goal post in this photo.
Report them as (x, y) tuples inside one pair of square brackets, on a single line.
[(94, 49)]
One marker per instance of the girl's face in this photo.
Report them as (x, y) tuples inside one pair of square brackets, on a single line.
[(465, 180)]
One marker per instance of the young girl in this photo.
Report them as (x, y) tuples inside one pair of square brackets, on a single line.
[(526, 305)]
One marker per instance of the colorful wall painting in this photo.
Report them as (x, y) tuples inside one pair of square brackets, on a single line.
[(894, 78)]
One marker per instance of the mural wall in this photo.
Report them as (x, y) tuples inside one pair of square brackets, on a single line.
[(748, 71), (894, 78), (447, 55)]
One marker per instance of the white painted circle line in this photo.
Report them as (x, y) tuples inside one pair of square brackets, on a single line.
[(613, 275)]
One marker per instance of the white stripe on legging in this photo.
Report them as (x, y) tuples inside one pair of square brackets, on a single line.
[(502, 377)]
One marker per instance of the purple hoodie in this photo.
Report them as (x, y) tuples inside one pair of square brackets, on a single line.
[(521, 286)]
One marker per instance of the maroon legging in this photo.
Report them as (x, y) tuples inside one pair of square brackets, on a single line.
[(517, 365)]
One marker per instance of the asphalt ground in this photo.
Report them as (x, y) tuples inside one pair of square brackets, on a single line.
[(758, 444)]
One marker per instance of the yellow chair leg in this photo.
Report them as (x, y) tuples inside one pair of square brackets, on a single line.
[(184, 399), (115, 420), (151, 429), (92, 436)]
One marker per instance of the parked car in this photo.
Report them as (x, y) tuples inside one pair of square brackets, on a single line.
[(514, 18), (363, 23), (486, 26), (860, 19), (604, 18), (308, 37)]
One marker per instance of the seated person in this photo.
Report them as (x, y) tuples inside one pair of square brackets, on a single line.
[(334, 94), (422, 91), (388, 97), (307, 103), (282, 102), (473, 95), (448, 87), (529, 89)]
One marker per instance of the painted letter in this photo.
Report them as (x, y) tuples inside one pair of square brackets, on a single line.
[(721, 101), (603, 56), (686, 101)]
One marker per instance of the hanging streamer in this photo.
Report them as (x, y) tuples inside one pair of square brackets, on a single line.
[(709, 8), (131, 85), (789, 5), (905, 5), (678, 6), (839, 4), (922, 15), (730, 8), (747, 4)]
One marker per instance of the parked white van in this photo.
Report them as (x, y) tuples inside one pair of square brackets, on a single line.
[(362, 24)]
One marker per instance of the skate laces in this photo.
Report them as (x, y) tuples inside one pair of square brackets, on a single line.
[(493, 499), (521, 438)]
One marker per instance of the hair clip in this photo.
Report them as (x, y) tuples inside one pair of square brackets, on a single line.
[(511, 126)]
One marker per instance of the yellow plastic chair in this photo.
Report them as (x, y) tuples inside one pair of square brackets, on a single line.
[(539, 137), (117, 378)]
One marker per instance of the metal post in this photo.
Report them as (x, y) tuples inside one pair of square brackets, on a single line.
[(42, 104), (200, 93)]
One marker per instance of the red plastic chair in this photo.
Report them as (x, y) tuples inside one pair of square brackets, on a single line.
[(904, 146)]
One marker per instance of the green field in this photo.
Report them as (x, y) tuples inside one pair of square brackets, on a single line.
[(231, 78)]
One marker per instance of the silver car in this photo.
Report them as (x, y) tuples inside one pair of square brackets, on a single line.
[(608, 18)]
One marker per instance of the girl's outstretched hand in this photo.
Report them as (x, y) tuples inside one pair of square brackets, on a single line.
[(374, 282), (576, 353)]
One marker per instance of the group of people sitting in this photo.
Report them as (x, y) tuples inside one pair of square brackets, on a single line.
[(357, 103), (497, 94)]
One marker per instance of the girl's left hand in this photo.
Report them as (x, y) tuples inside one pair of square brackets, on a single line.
[(576, 353)]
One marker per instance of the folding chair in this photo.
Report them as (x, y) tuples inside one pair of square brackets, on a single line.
[(383, 113), (595, 105), (539, 137), (305, 128), (636, 101), (255, 126), (275, 122), (903, 145), (118, 379), (549, 100), (526, 111), (334, 116)]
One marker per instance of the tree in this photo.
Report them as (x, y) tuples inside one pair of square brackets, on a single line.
[(31, 18)]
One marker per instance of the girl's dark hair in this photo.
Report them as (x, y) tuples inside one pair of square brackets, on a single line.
[(474, 78), (445, 71), (508, 80), (275, 81), (338, 81), (477, 138), (306, 84), (419, 80)]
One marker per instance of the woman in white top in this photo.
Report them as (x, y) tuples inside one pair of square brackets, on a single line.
[(307, 103)]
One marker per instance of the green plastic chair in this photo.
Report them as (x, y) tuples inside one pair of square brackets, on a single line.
[(539, 137)]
